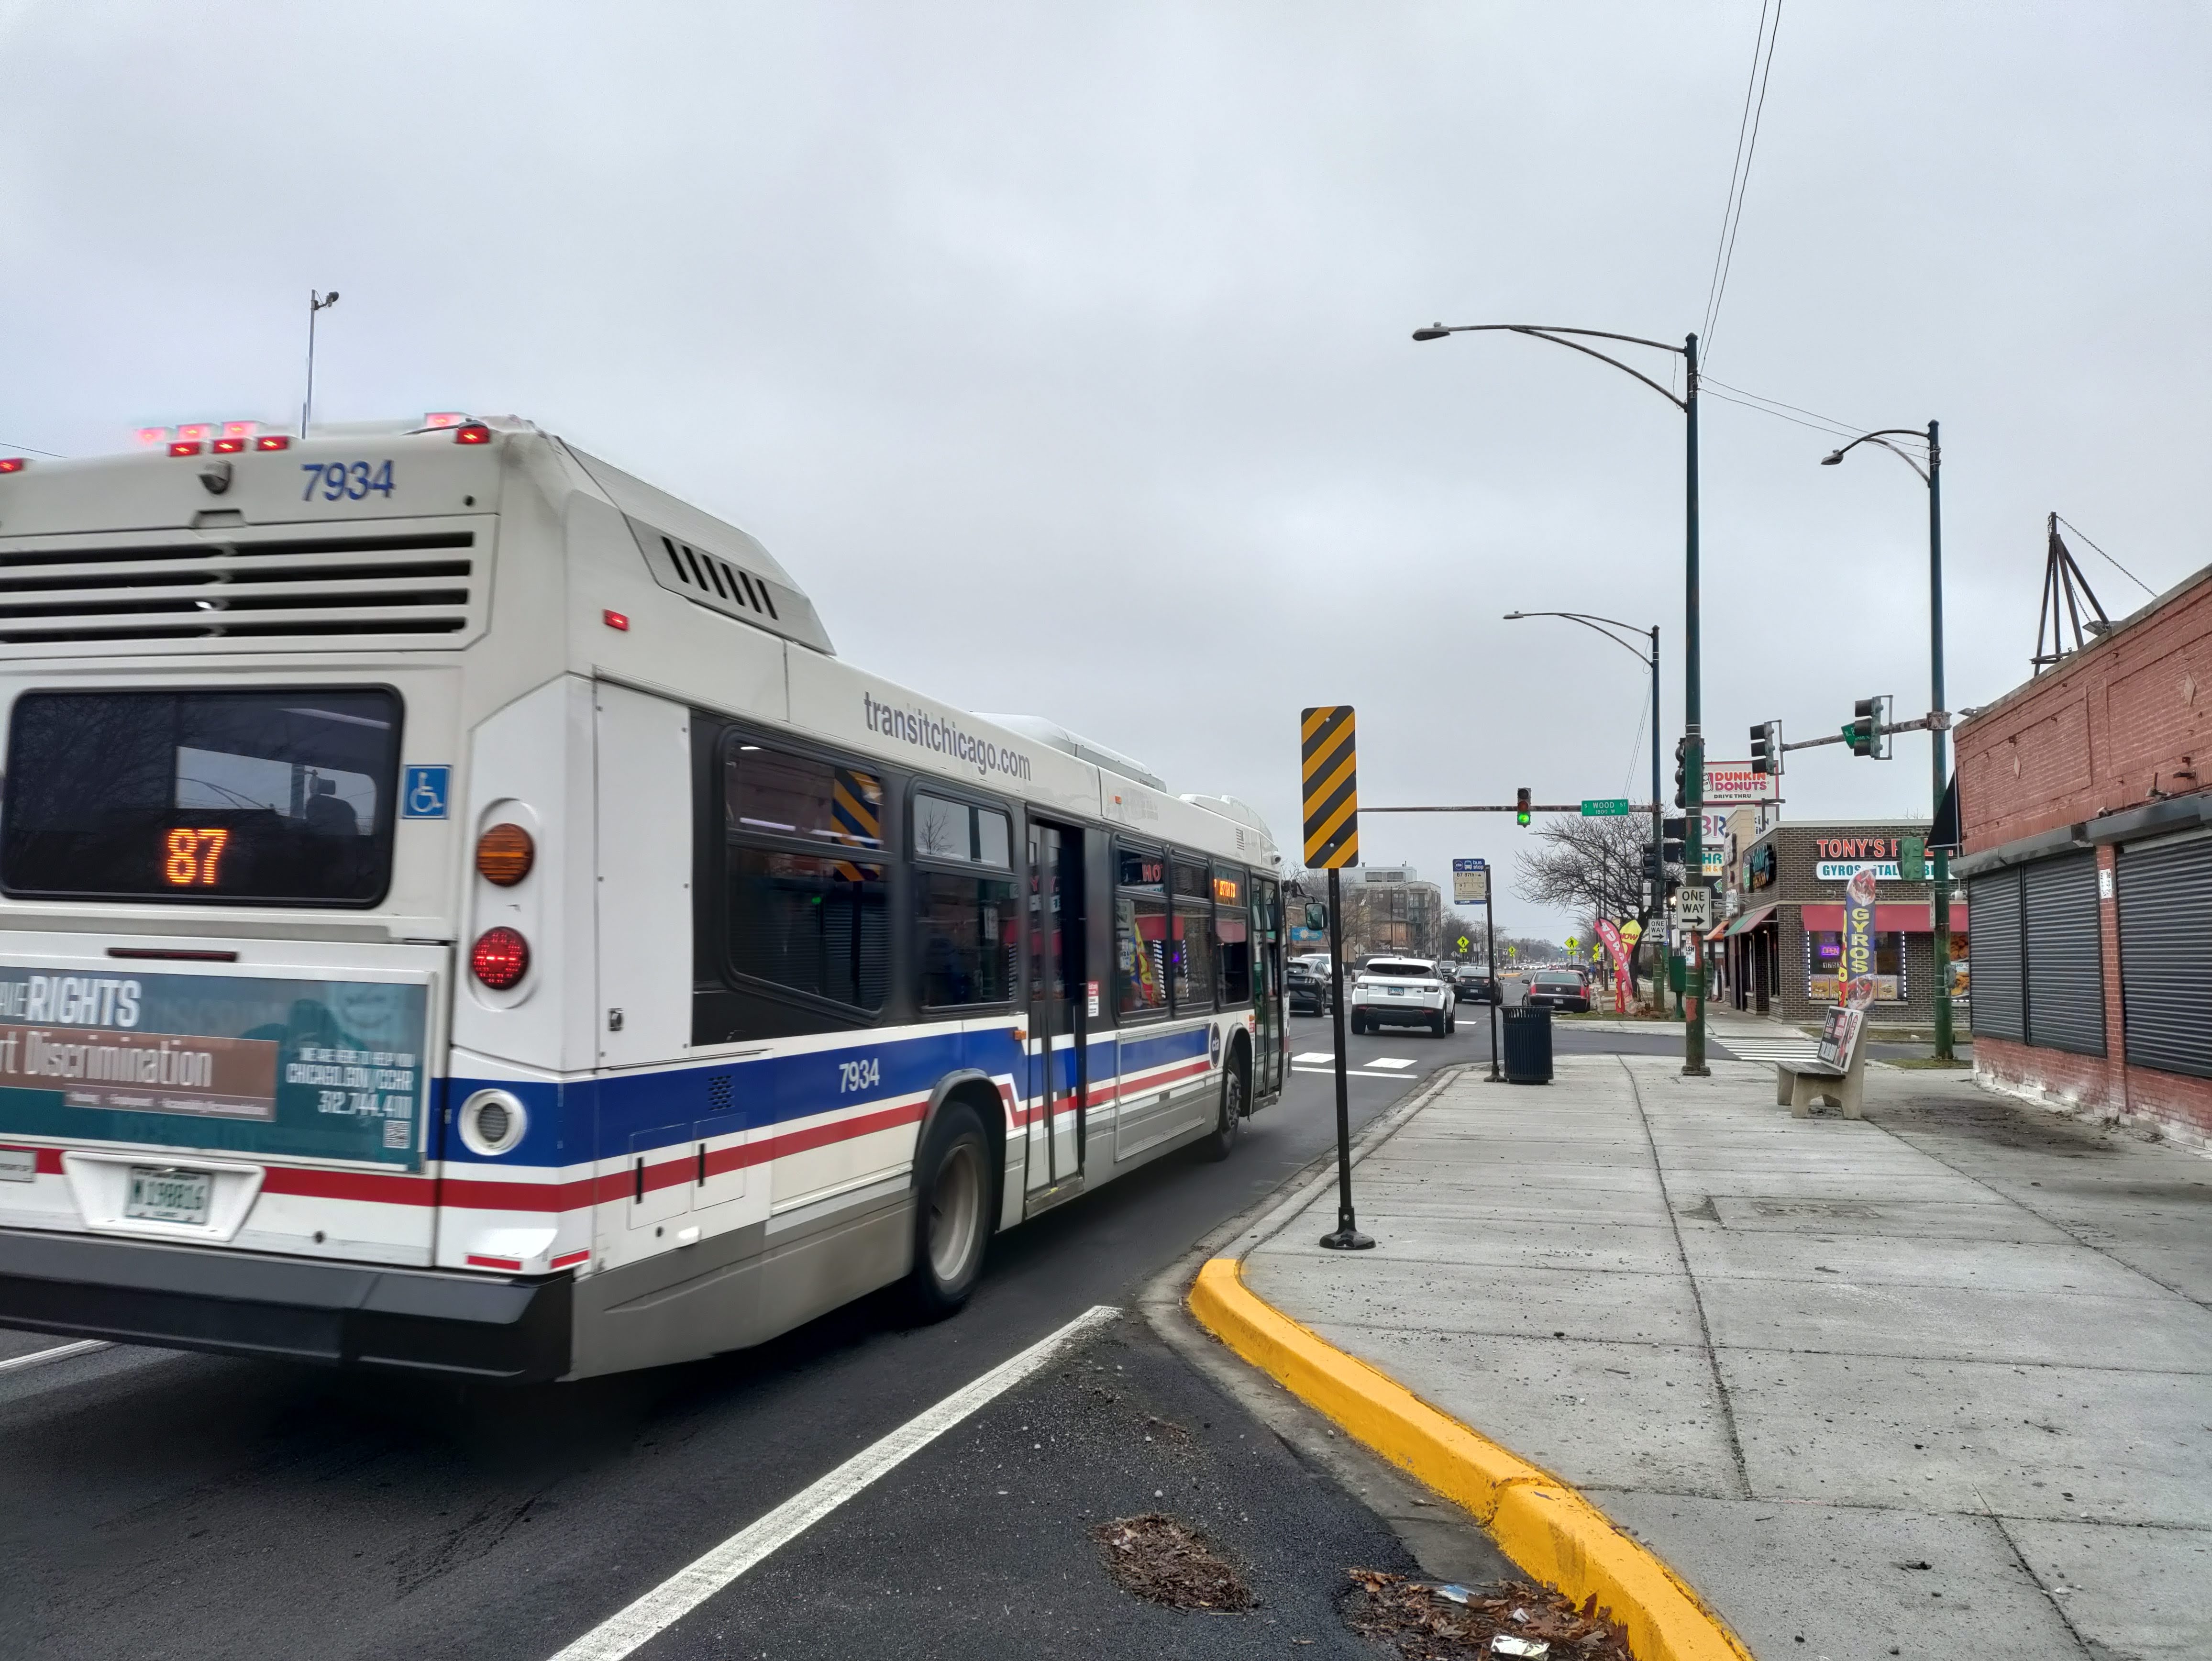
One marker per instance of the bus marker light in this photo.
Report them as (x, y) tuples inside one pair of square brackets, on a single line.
[(196, 430), (500, 957), (504, 854), (444, 418), (475, 433), (11, 464), (272, 442), (152, 434), (240, 429), (228, 446), (613, 619), (186, 447)]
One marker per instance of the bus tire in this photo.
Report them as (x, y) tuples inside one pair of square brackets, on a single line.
[(1236, 1095), (952, 1212)]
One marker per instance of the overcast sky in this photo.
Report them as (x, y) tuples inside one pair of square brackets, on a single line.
[(1061, 353)]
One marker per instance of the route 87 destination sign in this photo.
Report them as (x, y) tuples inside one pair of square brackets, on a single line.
[(328, 1069)]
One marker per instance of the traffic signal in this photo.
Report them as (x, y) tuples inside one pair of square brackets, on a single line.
[(1766, 748), (1671, 852), (1681, 751), (1863, 731), (1521, 806), (1650, 864)]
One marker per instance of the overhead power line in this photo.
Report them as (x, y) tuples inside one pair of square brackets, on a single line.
[(1747, 146)]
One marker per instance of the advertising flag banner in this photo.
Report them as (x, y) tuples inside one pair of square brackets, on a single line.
[(1858, 931), (1619, 947)]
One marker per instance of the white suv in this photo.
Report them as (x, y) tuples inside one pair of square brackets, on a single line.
[(1402, 992)]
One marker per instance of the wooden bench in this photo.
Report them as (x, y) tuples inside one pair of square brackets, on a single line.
[(1798, 1085)]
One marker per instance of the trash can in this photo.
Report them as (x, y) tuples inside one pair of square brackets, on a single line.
[(1528, 1045)]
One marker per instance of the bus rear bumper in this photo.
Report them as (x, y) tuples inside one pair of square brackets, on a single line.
[(505, 1328)]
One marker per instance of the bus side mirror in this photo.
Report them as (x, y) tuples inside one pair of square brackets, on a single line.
[(1316, 916)]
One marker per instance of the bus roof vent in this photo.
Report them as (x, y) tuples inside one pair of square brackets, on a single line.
[(1073, 744), (408, 584), (708, 563)]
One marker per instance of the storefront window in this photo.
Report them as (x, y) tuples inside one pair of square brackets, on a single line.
[(1823, 957)]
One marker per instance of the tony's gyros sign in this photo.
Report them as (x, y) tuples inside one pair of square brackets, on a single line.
[(332, 1069)]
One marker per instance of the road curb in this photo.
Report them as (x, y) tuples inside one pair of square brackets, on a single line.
[(1544, 1525)]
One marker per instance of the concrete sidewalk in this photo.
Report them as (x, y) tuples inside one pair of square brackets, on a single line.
[(1937, 1382)]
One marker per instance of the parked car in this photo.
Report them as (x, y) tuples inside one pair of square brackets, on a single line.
[(1472, 983), (1402, 992), (1306, 986), (1558, 989)]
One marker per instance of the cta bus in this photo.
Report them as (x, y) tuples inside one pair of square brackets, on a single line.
[(457, 914)]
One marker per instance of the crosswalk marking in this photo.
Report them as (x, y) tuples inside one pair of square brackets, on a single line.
[(1391, 1060), (1317, 1057)]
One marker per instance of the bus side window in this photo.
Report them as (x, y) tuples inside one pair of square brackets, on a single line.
[(969, 925), (805, 908), (1232, 936), (1140, 931), (1191, 955)]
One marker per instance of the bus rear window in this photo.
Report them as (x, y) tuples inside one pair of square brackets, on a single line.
[(262, 797)]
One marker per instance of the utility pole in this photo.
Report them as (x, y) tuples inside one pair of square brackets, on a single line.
[(1693, 755)]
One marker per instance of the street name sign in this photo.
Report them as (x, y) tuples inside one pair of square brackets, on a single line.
[(1470, 882), (1609, 807)]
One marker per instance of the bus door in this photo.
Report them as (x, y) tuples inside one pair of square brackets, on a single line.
[(1268, 986), (1058, 1011)]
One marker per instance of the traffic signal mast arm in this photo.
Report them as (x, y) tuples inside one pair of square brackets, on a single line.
[(1575, 807), (1940, 720)]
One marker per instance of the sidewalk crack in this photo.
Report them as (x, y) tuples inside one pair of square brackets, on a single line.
[(1697, 1292)]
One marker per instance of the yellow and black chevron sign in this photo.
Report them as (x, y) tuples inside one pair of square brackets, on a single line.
[(1332, 789)]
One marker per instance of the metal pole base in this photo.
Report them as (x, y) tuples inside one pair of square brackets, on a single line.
[(1347, 1238), (1697, 1073)]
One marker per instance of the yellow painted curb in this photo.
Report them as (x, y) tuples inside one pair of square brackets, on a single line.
[(1548, 1528)]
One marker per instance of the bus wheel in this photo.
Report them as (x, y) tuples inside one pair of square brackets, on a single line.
[(950, 1220), (1223, 1141)]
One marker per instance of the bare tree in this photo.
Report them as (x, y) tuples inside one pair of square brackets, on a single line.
[(1591, 867)]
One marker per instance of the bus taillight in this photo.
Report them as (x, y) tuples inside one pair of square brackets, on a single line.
[(500, 959), (504, 854)]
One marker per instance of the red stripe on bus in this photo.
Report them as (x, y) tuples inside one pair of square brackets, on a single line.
[(567, 1258), (476, 1261)]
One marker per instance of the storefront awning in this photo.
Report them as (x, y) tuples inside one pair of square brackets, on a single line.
[(1900, 919), (1748, 922)]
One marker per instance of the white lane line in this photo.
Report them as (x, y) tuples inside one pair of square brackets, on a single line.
[(39, 1358), (1352, 1072), (686, 1589)]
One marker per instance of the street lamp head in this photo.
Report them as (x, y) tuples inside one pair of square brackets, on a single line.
[(1515, 617), (1831, 458), (1434, 331)]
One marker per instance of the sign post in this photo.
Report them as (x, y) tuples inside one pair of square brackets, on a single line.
[(1471, 886), (1327, 754)]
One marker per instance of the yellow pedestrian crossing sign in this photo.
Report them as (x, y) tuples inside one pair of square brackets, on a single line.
[(1326, 754)]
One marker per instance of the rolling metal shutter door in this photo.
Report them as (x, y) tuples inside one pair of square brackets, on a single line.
[(2165, 956), (1993, 963), (2065, 955)]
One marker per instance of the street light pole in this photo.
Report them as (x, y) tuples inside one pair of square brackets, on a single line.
[(1605, 626), (1940, 872), (1693, 858)]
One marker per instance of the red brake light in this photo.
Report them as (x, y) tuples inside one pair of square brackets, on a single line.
[(272, 442), (185, 447), (475, 433), (228, 446), (500, 957), (11, 464)]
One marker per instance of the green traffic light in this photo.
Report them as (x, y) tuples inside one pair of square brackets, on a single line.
[(1520, 818)]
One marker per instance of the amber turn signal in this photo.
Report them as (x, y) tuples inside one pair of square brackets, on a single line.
[(505, 855)]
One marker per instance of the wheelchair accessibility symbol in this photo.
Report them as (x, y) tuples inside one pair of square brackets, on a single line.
[(423, 792)]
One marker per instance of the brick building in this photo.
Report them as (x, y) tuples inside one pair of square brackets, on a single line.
[(1782, 949), (2088, 850)]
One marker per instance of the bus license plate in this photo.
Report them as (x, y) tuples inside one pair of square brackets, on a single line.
[(161, 1195)]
